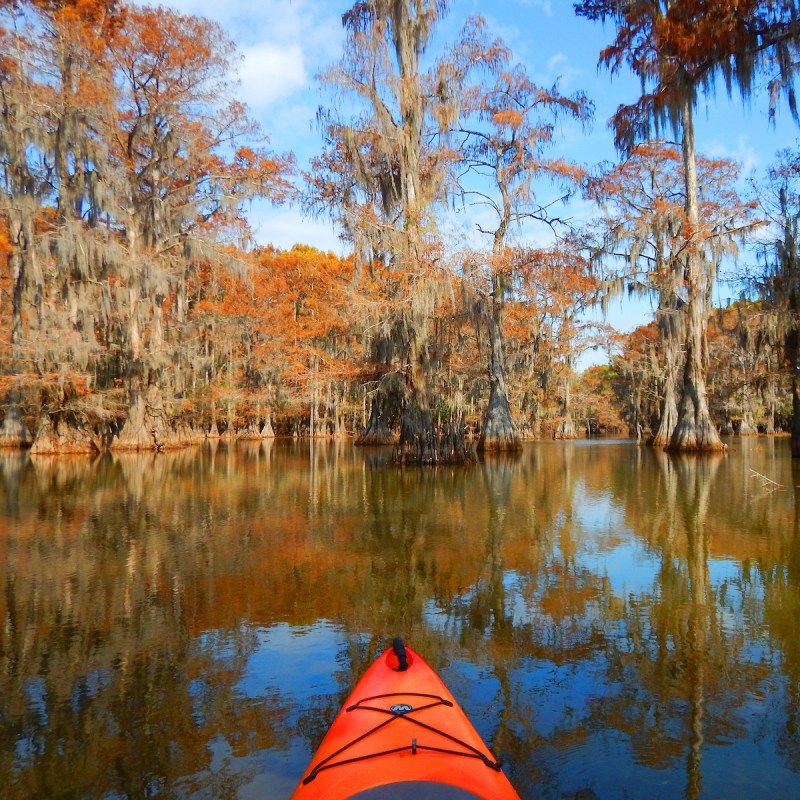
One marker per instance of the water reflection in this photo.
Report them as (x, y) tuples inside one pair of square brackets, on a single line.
[(187, 624)]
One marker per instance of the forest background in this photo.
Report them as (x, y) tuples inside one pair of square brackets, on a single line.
[(467, 218)]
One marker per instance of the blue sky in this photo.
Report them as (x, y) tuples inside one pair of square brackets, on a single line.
[(286, 43)]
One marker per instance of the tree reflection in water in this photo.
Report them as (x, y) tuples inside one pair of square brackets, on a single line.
[(186, 625)]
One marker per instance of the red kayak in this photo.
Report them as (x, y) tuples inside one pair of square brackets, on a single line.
[(402, 736)]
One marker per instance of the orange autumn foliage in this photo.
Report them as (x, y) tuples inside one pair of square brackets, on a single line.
[(290, 315)]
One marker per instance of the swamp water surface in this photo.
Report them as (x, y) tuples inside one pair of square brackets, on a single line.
[(617, 623)]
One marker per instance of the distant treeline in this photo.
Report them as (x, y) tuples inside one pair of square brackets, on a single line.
[(138, 314)]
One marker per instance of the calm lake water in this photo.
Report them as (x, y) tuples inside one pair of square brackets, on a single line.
[(617, 623)]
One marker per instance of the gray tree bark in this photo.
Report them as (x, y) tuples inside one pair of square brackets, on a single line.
[(694, 430)]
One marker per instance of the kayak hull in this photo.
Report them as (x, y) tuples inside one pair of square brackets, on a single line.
[(402, 736)]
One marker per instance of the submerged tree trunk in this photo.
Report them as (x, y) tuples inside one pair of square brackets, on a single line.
[(267, 431), (59, 435), (185, 434), (566, 427), (14, 432), (213, 431), (147, 427), (230, 422), (417, 439), (669, 413), (377, 431), (747, 427), (695, 429), (252, 432), (498, 431), (670, 343), (22, 260), (422, 442), (793, 357)]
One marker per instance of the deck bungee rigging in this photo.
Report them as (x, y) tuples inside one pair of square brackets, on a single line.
[(401, 734)]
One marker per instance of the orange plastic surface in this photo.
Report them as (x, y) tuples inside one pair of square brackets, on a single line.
[(337, 776)]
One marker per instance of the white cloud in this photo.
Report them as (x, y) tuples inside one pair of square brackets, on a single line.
[(741, 150), (561, 69), (270, 73), (312, 25), (239, 17), (544, 5)]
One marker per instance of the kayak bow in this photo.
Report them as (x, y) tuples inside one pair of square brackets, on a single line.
[(401, 734)]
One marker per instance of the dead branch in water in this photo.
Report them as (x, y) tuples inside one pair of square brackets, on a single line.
[(766, 482)]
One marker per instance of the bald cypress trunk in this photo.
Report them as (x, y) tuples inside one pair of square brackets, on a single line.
[(377, 431), (793, 357), (422, 440), (58, 434), (267, 431), (669, 329), (669, 411), (146, 427), (13, 431), (791, 273), (24, 268), (417, 437), (498, 431), (566, 427), (695, 430)]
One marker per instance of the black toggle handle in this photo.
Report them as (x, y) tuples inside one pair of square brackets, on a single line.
[(400, 651)]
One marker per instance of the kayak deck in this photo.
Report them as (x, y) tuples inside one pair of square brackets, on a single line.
[(402, 735), (415, 790)]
